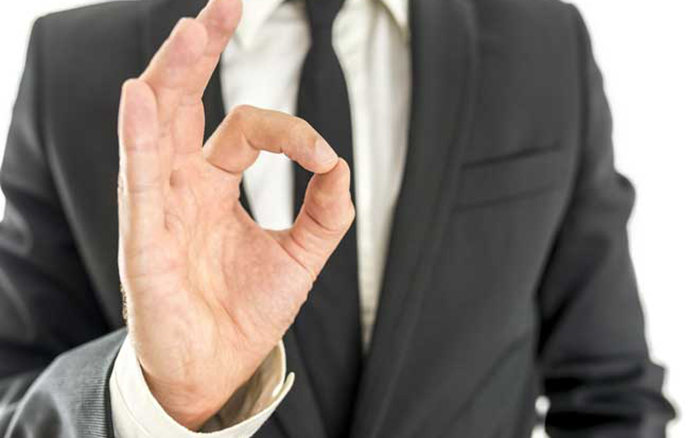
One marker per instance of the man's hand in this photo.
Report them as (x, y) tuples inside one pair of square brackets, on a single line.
[(208, 292)]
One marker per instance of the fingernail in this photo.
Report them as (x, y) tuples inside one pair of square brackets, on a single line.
[(326, 154)]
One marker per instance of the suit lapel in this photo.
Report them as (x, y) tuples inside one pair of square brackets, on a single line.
[(444, 63), (298, 415)]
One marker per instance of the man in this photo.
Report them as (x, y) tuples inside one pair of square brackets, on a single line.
[(488, 263)]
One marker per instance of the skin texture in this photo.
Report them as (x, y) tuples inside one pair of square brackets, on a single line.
[(208, 292)]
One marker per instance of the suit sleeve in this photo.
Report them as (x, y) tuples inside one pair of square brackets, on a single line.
[(594, 358), (55, 350)]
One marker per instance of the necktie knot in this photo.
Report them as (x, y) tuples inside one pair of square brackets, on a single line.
[(322, 13)]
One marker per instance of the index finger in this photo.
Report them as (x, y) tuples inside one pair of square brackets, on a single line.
[(247, 130)]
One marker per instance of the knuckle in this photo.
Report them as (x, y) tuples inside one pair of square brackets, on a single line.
[(320, 198), (129, 83), (300, 124), (240, 113), (301, 130), (120, 185), (351, 210), (184, 24), (350, 215), (238, 118), (304, 138), (183, 20)]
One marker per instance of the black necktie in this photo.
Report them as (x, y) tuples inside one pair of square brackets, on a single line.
[(328, 326)]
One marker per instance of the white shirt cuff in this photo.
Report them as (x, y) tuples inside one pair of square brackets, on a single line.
[(137, 414)]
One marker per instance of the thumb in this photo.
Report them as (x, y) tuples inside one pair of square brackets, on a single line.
[(325, 217)]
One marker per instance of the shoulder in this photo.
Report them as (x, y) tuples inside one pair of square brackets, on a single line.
[(95, 38), (79, 58), (546, 38), (92, 26)]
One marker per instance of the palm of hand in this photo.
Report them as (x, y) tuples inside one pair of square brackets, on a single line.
[(223, 275)]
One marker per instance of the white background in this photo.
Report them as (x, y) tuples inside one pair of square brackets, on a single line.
[(649, 51)]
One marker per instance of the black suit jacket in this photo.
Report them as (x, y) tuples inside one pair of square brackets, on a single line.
[(508, 273)]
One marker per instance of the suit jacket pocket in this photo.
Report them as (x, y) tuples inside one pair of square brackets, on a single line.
[(512, 177)]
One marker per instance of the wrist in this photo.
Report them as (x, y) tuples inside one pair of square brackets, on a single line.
[(187, 406)]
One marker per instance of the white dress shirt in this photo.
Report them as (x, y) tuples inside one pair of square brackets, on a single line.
[(262, 66)]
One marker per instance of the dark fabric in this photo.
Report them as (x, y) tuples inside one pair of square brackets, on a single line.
[(508, 274), (328, 325)]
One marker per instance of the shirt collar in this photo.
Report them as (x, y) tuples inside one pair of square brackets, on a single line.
[(256, 12), (399, 10)]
